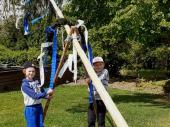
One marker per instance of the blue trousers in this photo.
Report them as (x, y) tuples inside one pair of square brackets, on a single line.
[(34, 116)]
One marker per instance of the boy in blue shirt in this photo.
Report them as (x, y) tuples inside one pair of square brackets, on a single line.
[(33, 94)]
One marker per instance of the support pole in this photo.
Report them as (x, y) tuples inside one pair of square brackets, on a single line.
[(110, 105), (55, 77)]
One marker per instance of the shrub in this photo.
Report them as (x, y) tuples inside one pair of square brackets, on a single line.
[(8, 56), (153, 74), (166, 88), (146, 74)]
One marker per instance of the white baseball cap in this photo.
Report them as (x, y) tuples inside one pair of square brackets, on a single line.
[(97, 59)]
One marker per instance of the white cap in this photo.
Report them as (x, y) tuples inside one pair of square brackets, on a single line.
[(97, 59)]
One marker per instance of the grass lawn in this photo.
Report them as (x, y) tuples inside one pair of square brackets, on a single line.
[(69, 108)]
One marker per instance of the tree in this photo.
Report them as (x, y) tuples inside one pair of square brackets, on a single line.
[(124, 24), (128, 33)]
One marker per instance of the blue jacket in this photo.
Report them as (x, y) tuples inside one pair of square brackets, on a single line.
[(32, 92)]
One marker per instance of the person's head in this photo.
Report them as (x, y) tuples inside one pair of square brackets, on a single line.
[(98, 64), (29, 70)]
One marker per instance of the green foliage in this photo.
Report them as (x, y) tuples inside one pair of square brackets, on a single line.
[(153, 74), (8, 33), (164, 23), (146, 74), (126, 33), (94, 12), (142, 84), (8, 56), (161, 53), (166, 88), (132, 35)]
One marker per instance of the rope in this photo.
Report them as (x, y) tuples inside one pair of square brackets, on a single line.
[(90, 57), (42, 60), (62, 37), (39, 18), (54, 56), (75, 64), (26, 24)]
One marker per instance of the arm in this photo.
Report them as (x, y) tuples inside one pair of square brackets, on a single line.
[(88, 80), (49, 92), (30, 92), (105, 77)]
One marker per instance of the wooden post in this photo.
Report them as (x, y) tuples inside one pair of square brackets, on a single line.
[(55, 77), (111, 107)]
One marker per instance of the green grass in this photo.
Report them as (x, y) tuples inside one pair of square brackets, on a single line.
[(69, 108)]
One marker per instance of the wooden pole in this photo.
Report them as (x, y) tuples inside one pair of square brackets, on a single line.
[(111, 107), (55, 77), (60, 65)]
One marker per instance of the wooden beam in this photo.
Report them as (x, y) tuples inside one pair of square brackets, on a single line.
[(110, 105)]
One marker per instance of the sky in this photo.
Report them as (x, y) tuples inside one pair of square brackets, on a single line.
[(19, 11), (8, 12)]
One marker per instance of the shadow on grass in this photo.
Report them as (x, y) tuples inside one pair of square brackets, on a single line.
[(148, 99), (143, 99), (79, 108)]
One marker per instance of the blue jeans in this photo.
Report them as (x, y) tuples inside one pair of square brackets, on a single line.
[(34, 116)]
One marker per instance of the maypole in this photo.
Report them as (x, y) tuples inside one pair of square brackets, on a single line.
[(110, 105)]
